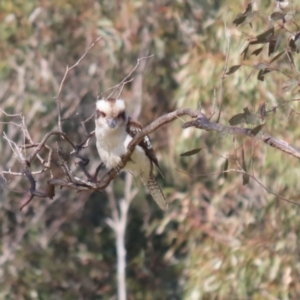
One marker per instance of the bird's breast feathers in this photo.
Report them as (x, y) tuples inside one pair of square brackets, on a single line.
[(112, 147)]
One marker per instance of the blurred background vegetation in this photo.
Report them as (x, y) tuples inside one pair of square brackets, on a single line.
[(220, 239)]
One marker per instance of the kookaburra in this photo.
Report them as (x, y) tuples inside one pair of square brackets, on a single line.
[(114, 131)]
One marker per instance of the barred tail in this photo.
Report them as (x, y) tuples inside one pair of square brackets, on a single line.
[(155, 192)]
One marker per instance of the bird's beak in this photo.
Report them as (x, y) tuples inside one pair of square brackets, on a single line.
[(111, 122)]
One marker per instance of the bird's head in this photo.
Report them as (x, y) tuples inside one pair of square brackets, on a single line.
[(110, 113)]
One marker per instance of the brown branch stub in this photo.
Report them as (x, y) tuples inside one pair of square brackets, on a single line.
[(26, 202), (32, 190)]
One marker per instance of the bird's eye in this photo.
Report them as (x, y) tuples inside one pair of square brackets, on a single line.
[(121, 115), (100, 114)]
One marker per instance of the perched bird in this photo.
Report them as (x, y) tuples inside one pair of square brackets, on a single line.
[(114, 131)]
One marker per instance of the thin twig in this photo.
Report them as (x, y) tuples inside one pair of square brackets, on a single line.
[(44, 140), (114, 87), (242, 172), (11, 115), (64, 78), (9, 172), (123, 82), (224, 72)]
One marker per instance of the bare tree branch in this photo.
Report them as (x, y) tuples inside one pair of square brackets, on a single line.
[(203, 123)]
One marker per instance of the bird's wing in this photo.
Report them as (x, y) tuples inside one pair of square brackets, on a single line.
[(133, 128)]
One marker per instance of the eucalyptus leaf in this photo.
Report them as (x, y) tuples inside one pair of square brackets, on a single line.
[(226, 168), (276, 56), (191, 152), (257, 129), (246, 178), (257, 51), (233, 69), (237, 119)]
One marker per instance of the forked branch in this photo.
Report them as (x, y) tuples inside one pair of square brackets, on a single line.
[(90, 183)]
